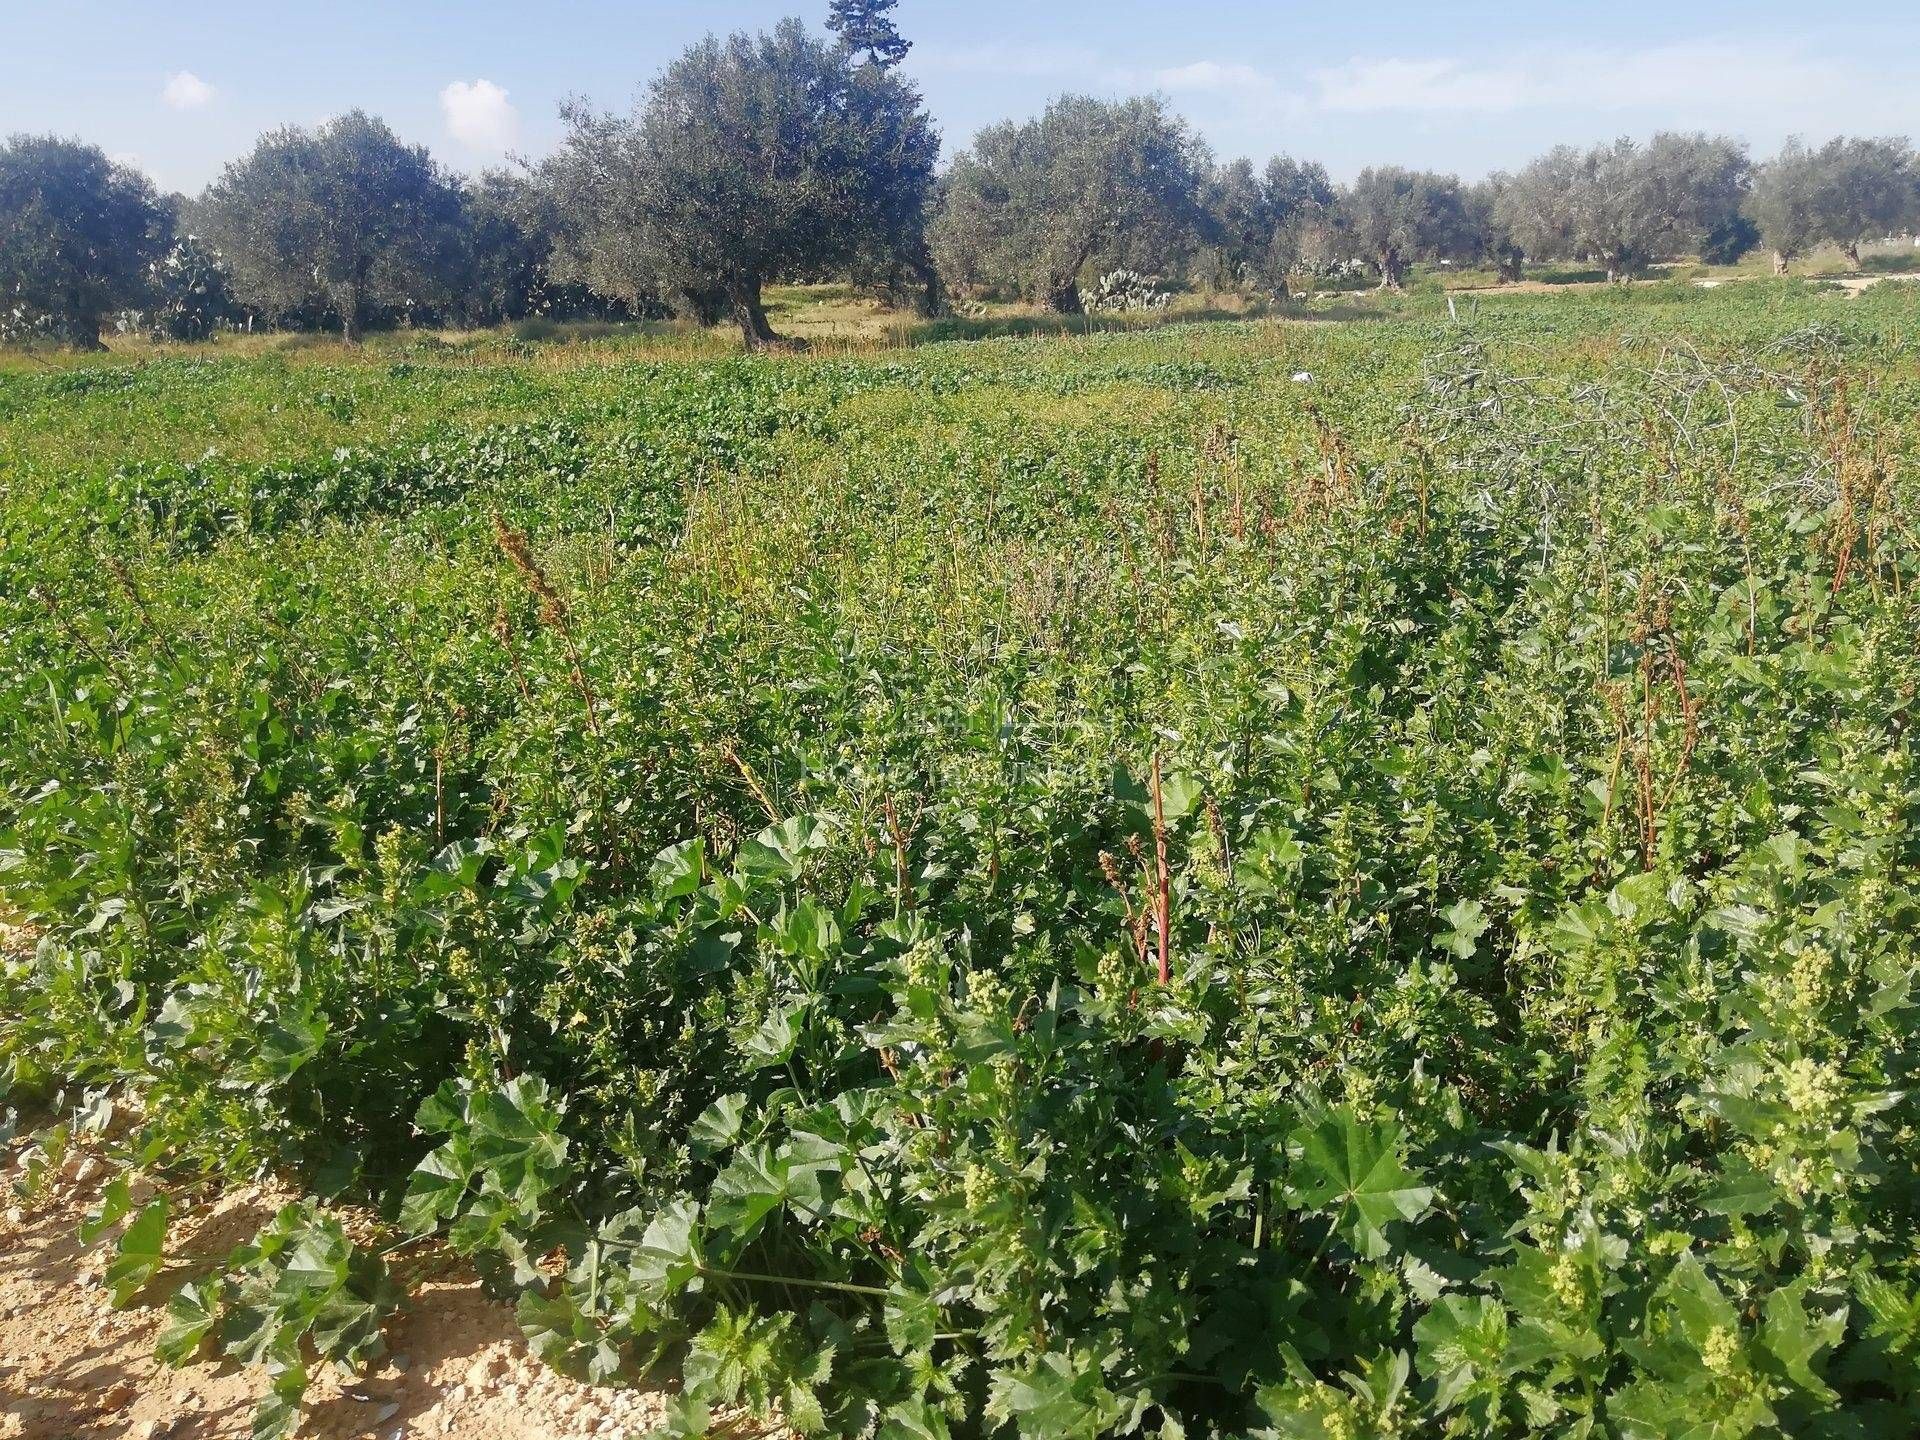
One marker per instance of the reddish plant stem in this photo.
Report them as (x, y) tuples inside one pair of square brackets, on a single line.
[(1163, 890)]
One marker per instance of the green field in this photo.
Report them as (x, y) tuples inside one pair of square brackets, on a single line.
[(1323, 880)]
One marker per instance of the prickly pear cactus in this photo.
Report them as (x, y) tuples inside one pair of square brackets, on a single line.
[(1124, 290)]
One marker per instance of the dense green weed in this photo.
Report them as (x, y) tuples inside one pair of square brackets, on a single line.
[(720, 823)]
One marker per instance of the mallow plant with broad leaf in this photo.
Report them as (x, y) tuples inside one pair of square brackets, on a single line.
[(1035, 890)]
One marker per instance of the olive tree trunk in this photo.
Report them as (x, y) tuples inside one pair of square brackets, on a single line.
[(347, 301), (1852, 251), (933, 296), (1392, 269), (1063, 297), (78, 328), (1779, 262), (743, 301)]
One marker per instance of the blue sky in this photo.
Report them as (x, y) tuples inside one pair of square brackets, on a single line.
[(181, 88)]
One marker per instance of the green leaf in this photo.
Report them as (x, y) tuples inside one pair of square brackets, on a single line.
[(116, 1200), (290, 1042), (911, 1318), (556, 1331), (191, 1314), (751, 1188), (1743, 1190), (1794, 1339), (780, 851), (773, 1043), (1467, 922), (718, 1126), (914, 1420), (1461, 1340), (444, 1111), (277, 1415), (1062, 1395), (1351, 1169), (140, 1254), (668, 1255), (434, 1190), (348, 1330), (1179, 793), (678, 870)]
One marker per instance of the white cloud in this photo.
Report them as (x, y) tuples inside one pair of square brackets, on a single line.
[(1691, 77), (185, 90), (479, 115), (1215, 75)]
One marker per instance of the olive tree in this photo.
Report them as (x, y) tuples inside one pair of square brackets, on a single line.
[(1785, 203), (1394, 216), (78, 235), (754, 157), (1304, 206), (1236, 224), (1493, 242), (1259, 225), (345, 216), (1840, 194), (1624, 204), (1866, 187), (1030, 205), (509, 235)]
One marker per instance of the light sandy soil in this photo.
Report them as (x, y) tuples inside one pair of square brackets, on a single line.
[(1854, 284), (73, 1368)]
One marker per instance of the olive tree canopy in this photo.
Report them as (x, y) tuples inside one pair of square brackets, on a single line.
[(1394, 216), (1867, 187), (1624, 204), (755, 157), (1259, 223), (1030, 205), (1785, 203), (78, 234), (345, 216), (1846, 191)]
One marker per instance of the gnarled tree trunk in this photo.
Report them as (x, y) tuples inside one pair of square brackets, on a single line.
[(77, 328), (1392, 268), (1852, 251), (743, 300), (1063, 297), (347, 301), (1779, 262), (933, 296)]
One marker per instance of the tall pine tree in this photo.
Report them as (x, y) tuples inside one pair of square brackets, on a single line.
[(866, 25)]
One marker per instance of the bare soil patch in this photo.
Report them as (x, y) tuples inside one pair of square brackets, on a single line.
[(73, 1368)]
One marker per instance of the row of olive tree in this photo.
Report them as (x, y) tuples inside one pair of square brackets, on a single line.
[(752, 159), (1093, 184), (788, 156), (342, 225)]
